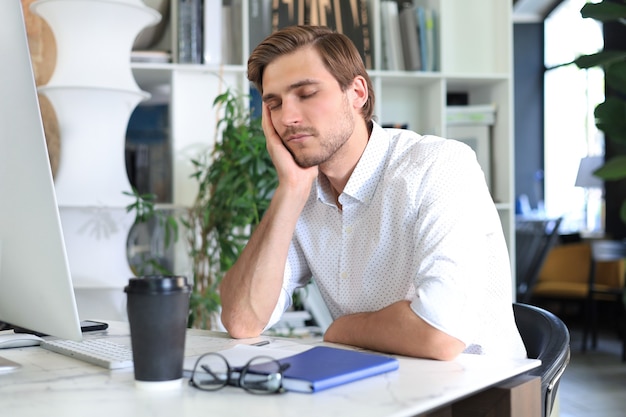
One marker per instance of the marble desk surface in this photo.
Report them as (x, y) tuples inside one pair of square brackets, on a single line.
[(50, 384)]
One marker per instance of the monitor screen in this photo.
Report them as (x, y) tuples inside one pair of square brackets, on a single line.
[(35, 285)]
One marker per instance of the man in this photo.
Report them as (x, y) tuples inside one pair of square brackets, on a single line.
[(398, 230)]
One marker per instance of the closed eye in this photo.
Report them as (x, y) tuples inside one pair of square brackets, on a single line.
[(273, 105)]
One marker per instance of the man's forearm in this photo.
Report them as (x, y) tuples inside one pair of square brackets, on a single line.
[(394, 329), (250, 289)]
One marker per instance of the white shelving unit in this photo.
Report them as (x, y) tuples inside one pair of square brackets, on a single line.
[(474, 45)]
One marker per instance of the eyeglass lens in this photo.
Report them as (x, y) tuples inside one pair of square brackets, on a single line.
[(261, 375), (211, 372)]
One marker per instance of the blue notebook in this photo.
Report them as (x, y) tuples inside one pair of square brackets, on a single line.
[(323, 367)]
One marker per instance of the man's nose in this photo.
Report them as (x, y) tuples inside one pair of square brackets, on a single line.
[(290, 113)]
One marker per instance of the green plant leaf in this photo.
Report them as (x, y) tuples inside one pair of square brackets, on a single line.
[(233, 193), (604, 11), (599, 59), (615, 76), (611, 118), (614, 169), (610, 115)]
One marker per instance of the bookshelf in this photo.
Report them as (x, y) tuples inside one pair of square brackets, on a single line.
[(474, 57)]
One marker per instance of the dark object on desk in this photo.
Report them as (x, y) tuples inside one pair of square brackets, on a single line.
[(85, 326), (612, 252), (324, 367), (546, 338), (534, 238), (158, 309)]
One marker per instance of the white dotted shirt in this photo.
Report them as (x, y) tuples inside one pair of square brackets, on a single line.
[(418, 223)]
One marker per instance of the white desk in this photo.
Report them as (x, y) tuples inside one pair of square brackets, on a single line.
[(49, 384)]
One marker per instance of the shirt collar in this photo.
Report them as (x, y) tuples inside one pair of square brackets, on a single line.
[(367, 173)]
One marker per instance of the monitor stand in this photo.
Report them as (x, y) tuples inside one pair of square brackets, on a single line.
[(7, 365)]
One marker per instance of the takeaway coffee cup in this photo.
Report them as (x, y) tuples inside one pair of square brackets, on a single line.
[(158, 307)]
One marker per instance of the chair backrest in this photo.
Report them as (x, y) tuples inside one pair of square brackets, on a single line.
[(533, 240), (547, 338), (568, 262)]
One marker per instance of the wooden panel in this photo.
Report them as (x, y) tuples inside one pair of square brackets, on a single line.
[(43, 56), (517, 397)]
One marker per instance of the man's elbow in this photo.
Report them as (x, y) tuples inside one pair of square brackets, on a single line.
[(241, 329), (446, 348), (449, 351)]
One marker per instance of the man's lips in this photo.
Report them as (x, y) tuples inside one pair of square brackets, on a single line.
[(297, 137)]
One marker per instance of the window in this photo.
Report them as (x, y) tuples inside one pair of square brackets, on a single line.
[(571, 95)]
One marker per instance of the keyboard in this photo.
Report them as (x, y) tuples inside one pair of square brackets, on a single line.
[(100, 352)]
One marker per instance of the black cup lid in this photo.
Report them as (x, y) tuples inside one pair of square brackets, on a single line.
[(157, 284)]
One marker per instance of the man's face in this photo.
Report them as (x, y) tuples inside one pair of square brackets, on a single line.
[(311, 114)]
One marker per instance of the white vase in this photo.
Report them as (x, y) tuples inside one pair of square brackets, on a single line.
[(92, 127), (94, 39), (94, 93)]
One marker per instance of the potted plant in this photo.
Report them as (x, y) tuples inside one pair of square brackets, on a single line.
[(236, 181), (611, 114)]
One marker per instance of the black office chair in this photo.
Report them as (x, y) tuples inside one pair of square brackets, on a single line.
[(605, 252), (547, 338)]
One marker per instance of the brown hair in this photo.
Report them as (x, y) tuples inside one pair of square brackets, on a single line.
[(337, 51)]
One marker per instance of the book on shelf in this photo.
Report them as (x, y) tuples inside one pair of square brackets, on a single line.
[(392, 50), (350, 18), (232, 39), (161, 57), (188, 40), (206, 31), (260, 19)]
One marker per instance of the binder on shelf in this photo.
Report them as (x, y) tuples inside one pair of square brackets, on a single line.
[(427, 23), (323, 367), (393, 56), (431, 40), (410, 38), (472, 114), (212, 32)]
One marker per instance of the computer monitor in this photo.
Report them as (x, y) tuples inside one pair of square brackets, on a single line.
[(36, 290)]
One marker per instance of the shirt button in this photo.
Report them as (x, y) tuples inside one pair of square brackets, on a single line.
[(349, 229), (343, 275)]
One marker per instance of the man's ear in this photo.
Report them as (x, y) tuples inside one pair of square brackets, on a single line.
[(359, 92)]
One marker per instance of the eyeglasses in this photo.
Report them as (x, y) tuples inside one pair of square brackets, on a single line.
[(261, 375)]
